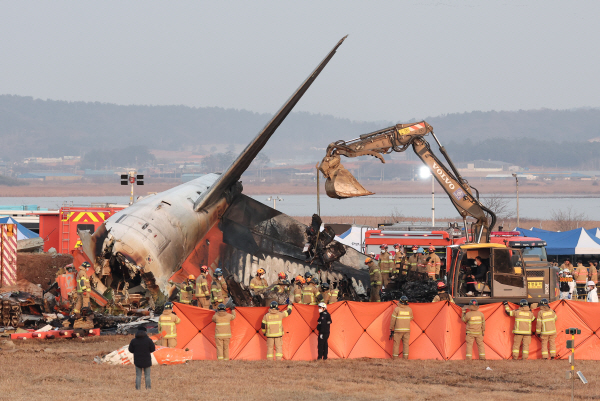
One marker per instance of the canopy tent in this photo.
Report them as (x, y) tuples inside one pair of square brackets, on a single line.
[(594, 232), (22, 232), (573, 242)]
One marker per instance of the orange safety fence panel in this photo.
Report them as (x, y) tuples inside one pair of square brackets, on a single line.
[(360, 330)]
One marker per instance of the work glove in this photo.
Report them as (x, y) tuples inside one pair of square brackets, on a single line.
[(391, 334), (232, 307)]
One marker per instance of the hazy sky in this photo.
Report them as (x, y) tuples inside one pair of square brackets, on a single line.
[(403, 59)]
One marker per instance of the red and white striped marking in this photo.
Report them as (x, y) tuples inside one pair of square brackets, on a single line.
[(8, 264), (416, 127)]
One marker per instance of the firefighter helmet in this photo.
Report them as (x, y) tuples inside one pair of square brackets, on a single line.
[(404, 300), (218, 272), (191, 277), (260, 271), (203, 269), (285, 282), (396, 245), (523, 302), (324, 286), (441, 286), (282, 276), (299, 278), (315, 281), (544, 302), (431, 248), (221, 307), (168, 305), (368, 260), (383, 246), (473, 302), (273, 305), (307, 274), (420, 250), (85, 265)]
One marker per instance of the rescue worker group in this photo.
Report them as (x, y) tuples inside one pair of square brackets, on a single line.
[(305, 290)]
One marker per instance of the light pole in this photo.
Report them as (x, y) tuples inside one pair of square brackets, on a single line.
[(274, 199), (424, 173), (517, 183)]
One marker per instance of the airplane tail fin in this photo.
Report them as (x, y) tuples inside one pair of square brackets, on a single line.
[(243, 161)]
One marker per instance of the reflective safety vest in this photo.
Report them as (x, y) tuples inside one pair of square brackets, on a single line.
[(309, 294), (258, 284), (186, 294), (83, 282), (385, 263), (547, 318), (581, 274), (202, 289), (523, 319), (401, 318), (297, 294), (217, 290), (413, 262), (333, 297), (272, 323), (222, 321), (475, 321), (326, 295), (375, 274), (166, 323)]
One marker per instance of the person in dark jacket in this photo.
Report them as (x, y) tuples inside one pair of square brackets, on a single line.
[(141, 347), (323, 329)]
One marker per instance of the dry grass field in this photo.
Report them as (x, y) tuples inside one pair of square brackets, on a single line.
[(63, 370)]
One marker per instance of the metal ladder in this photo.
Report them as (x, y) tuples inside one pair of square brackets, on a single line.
[(66, 229)]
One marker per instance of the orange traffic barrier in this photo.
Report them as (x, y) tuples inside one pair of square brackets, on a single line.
[(361, 329)]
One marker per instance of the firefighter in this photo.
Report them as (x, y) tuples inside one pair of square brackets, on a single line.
[(334, 293), (167, 322), (83, 289), (581, 277), (400, 327), (385, 265), (546, 329), (442, 294), (421, 263), (298, 283), (522, 330), (222, 321), (202, 289), (399, 259), (259, 284), (272, 328), (567, 266), (593, 271), (375, 279), (310, 292), (435, 261), (186, 292), (413, 261), (475, 321), (218, 289), (325, 293), (282, 283)]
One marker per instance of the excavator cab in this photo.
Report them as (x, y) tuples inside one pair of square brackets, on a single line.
[(500, 276)]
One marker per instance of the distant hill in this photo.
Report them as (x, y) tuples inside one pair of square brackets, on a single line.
[(47, 128)]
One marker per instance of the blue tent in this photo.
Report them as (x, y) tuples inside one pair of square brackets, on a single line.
[(573, 242), (22, 232)]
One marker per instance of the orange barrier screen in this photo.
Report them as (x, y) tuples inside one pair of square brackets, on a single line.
[(361, 329)]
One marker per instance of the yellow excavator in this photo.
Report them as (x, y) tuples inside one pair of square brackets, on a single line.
[(505, 277)]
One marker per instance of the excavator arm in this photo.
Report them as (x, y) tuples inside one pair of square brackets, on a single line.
[(342, 184)]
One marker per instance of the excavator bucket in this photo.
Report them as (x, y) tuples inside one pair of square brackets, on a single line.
[(340, 183)]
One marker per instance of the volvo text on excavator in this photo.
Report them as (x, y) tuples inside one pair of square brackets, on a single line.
[(506, 275)]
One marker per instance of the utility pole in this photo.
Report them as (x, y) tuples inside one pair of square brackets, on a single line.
[(517, 183), (432, 201), (274, 199)]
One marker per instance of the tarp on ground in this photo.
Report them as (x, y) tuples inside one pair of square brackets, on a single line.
[(361, 330), (22, 232), (572, 242)]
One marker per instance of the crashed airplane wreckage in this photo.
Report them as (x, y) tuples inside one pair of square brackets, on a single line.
[(207, 221)]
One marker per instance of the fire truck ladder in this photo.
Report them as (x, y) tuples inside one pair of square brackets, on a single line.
[(66, 229)]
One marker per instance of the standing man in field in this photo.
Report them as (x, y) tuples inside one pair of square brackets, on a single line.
[(475, 321), (142, 348), (272, 328), (202, 289), (222, 321), (168, 322), (323, 328), (375, 275), (522, 330), (400, 327), (385, 265), (546, 329), (83, 289)]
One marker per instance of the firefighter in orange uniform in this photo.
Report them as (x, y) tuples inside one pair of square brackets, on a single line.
[(298, 284), (309, 291), (83, 289), (435, 261), (222, 321), (522, 330), (546, 329), (385, 265), (202, 289), (375, 275), (400, 327), (167, 322), (334, 293), (272, 328), (218, 289), (186, 292), (399, 260), (259, 284), (475, 321)]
